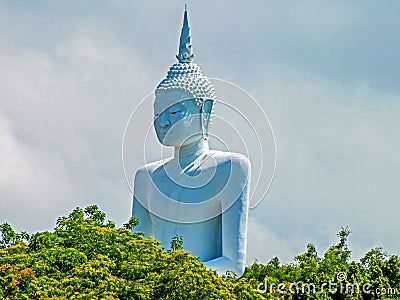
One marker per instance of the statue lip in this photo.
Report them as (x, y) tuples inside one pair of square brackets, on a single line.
[(163, 132)]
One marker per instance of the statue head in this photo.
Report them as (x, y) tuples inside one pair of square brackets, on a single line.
[(184, 101)]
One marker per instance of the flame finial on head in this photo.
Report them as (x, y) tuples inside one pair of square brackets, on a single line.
[(186, 75), (185, 54)]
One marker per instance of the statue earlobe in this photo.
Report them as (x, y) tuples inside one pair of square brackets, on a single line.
[(206, 113), (207, 106)]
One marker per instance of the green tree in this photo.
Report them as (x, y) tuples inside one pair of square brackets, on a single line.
[(132, 223), (87, 257), (177, 242), (9, 237)]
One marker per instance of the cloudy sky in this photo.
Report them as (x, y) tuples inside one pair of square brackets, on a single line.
[(326, 73)]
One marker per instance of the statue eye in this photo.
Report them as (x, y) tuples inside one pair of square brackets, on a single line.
[(174, 112)]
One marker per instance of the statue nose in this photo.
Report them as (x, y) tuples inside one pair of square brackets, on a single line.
[(164, 122)]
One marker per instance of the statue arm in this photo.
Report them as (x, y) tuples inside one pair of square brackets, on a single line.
[(138, 209), (234, 221)]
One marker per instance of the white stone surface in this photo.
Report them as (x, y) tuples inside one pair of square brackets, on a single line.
[(200, 194)]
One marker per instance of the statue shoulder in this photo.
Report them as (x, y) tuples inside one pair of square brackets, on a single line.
[(148, 169), (236, 160)]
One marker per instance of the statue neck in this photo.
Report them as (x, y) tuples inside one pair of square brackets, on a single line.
[(186, 154)]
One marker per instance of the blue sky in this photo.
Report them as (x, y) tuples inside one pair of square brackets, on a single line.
[(326, 73)]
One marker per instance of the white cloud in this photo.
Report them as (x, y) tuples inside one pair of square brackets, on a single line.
[(264, 244), (337, 162), (33, 184), (62, 119)]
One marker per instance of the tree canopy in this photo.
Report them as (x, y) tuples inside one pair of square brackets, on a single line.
[(87, 257)]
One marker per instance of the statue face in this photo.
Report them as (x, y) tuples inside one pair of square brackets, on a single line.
[(177, 118)]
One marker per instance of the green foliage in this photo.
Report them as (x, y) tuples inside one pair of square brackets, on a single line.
[(9, 237), (94, 213), (87, 257), (332, 276), (133, 222), (177, 242)]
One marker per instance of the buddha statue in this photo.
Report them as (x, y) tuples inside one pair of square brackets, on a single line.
[(199, 194)]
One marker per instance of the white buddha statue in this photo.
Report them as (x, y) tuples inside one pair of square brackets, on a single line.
[(199, 194)]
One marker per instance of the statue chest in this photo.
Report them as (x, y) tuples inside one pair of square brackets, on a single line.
[(186, 197), (193, 185)]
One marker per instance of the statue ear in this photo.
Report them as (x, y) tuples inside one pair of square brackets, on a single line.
[(206, 111), (207, 106)]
